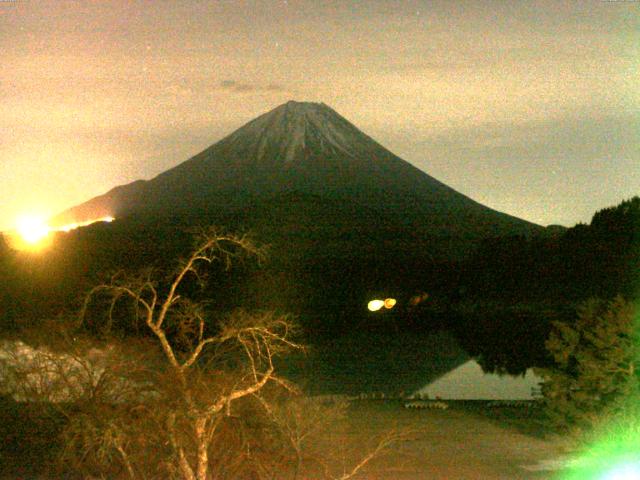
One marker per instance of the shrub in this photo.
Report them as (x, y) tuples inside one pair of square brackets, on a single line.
[(595, 364), (192, 399)]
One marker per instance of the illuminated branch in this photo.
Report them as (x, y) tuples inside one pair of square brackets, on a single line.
[(258, 337)]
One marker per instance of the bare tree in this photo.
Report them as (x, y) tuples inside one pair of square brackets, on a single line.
[(194, 399), (308, 427), (244, 343)]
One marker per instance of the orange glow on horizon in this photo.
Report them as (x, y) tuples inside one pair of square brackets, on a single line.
[(32, 229), (33, 233), (72, 226)]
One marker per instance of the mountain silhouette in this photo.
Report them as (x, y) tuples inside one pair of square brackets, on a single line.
[(306, 151)]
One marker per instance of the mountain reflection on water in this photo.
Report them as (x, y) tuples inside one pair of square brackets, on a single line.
[(470, 382), (365, 362)]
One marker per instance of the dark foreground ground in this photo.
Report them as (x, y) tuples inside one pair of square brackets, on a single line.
[(467, 441)]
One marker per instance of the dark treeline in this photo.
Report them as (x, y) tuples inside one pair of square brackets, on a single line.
[(500, 300), (515, 287), (600, 259)]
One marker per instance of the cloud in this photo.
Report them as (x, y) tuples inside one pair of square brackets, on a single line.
[(245, 87)]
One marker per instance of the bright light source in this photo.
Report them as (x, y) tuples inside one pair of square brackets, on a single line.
[(33, 233), (72, 226), (614, 456), (626, 471), (32, 229), (375, 305), (389, 303), (69, 227)]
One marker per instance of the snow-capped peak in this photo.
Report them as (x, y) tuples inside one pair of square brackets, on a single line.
[(290, 128)]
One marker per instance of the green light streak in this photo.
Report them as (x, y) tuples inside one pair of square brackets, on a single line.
[(615, 454)]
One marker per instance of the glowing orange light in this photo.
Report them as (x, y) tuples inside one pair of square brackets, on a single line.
[(32, 229), (72, 226), (33, 233), (389, 303)]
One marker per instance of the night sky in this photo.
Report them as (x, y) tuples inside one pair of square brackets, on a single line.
[(531, 108)]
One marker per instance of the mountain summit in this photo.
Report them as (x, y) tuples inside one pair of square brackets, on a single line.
[(293, 130), (303, 149)]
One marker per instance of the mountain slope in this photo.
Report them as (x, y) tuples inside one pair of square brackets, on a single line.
[(302, 148)]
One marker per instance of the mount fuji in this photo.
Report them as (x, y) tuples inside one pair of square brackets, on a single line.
[(302, 152)]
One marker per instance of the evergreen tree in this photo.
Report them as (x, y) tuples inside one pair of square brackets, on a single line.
[(596, 364)]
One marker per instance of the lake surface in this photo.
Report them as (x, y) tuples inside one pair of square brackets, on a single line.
[(365, 362), (430, 364)]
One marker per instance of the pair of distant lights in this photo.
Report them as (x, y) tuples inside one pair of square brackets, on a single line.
[(375, 305)]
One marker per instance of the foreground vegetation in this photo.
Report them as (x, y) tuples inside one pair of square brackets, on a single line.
[(165, 377), (501, 441), (189, 397)]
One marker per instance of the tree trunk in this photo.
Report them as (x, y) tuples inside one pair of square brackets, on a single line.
[(185, 468), (203, 454), (183, 464)]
